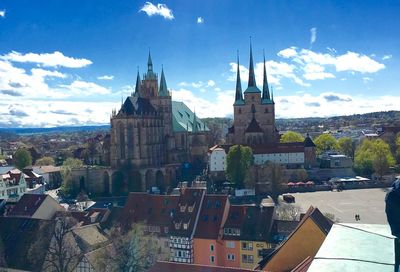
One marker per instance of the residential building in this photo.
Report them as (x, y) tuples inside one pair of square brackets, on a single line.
[(174, 267), (155, 212), (51, 175), (36, 206), (17, 236), (303, 242), (184, 223), (208, 244), (12, 185)]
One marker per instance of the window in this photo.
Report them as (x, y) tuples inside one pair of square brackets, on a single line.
[(231, 257), (247, 245), (212, 259), (230, 244), (218, 204), (240, 111), (211, 247), (247, 258), (165, 229), (266, 110)]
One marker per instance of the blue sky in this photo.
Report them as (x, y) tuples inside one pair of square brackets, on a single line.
[(69, 62)]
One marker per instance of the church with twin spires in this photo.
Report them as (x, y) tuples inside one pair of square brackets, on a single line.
[(253, 111)]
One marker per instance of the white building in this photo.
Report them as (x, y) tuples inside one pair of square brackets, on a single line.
[(216, 159), (12, 185)]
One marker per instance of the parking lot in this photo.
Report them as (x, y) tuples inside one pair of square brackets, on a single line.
[(368, 203)]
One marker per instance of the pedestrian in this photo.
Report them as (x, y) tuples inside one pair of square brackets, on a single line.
[(355, 217), (393, 217)]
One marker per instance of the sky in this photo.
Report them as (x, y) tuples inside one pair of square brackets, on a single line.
[(70, 62)]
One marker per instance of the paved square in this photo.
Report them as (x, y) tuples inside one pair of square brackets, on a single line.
[(368, 203)]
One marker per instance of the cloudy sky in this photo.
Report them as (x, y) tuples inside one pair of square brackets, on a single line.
[(69, 62)]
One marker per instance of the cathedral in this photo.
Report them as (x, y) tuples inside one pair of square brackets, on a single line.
[(152, 136), (253, 111)]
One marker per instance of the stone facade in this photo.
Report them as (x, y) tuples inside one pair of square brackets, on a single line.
[(152, 132), (254, 115)]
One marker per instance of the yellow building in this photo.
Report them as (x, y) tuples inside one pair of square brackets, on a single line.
[(303, 242), (251, 252)]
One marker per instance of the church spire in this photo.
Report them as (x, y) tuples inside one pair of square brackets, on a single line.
[(272, 95), (238, 95), (137, 87), (163, 91), (195, 126), (252, 77), (149, 63), (265, 94)]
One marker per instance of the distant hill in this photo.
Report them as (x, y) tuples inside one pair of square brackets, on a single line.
[(66, 129)]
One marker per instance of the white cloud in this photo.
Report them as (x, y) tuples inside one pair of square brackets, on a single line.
[(386, 57), (211, 83), (313, 37), (359, 63), (47, 59), (314, 71), (220, 106), (161, 9), (217, 89), (276, 71), (367, 79), (332, 104), (83, 88), (43, 113), (3, 13), (105, 77), (200, 20), (288, 52)]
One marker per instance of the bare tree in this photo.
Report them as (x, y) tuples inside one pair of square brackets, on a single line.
[(288, 212), (133, 251), (276, 176), (63, 253)]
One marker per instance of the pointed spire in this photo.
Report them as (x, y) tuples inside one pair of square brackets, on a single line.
[(137, 87), (265, 94), (195, 126), (272, 95), (252, 77), (163, 90), (149, 63), (238, 95)]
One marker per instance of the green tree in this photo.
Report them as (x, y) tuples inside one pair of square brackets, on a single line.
[(326, 142), (373, 155), (347, 146), (45, 161), (22, 158), (291, 137), (238, 161), (67, 187), (276, 174), (398, 148)]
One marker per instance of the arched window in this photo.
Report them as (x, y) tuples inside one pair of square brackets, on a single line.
[(253, 108), (240, 111), (266, 110), (130, 140), (121, 135)]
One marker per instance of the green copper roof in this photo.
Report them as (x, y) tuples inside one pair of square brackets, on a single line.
[(267, 101), (356, 247), (265, 94), (239, 102), (252, 77), (238, 95), (183, 119), (252, 89), (163, 90)]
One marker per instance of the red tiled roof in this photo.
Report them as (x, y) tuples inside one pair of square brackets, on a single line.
[(278, 148), (180, 267), (211, 215), (155, 210), (189, 197), (27, 205)]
